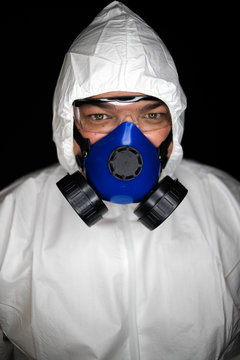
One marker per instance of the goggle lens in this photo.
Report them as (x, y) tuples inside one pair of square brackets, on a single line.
[(102, 115)]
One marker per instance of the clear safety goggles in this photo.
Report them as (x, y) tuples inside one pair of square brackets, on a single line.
[(102, 115)]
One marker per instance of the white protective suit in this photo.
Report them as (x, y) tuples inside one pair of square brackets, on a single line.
[(117, 291)]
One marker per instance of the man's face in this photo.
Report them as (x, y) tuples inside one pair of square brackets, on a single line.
[(127, 112)]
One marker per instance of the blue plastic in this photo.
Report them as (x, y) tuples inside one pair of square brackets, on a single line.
[(108, 186)]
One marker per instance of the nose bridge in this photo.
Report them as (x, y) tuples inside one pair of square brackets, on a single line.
[(129, 116)]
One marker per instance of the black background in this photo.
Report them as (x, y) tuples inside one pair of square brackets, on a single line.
[(204, 44)]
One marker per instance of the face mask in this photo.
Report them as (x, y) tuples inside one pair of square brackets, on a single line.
[(123, 167), (119, 165)]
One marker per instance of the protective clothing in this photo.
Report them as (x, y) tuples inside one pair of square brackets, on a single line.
[(116, 290)]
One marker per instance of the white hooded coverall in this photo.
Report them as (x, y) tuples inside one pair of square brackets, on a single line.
[(117, 291)]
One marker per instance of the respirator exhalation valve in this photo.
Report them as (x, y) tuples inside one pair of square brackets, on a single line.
[(125, 163)]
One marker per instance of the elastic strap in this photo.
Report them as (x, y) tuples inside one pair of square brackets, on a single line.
[(163, 149), (84, 143)]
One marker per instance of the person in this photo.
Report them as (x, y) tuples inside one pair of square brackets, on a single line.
[(124, 250)]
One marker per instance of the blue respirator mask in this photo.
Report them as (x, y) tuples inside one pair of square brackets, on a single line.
[(123, 166)]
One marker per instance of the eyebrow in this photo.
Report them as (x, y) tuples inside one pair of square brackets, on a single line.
[(152, 106)]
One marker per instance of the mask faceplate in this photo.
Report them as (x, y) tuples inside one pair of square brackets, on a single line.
[(123, 166)]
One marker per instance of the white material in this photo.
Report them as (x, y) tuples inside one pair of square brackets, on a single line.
[(117, 291)]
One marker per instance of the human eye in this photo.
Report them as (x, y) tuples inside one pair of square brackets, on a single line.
[(154, 116), (98, 117)]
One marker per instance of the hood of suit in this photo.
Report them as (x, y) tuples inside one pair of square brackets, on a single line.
[(118, 51)]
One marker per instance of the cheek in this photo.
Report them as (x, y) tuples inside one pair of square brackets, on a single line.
[(93, 137), (158, 136)]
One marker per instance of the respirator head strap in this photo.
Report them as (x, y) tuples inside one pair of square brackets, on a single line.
[(84, 143), (163, 150)]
